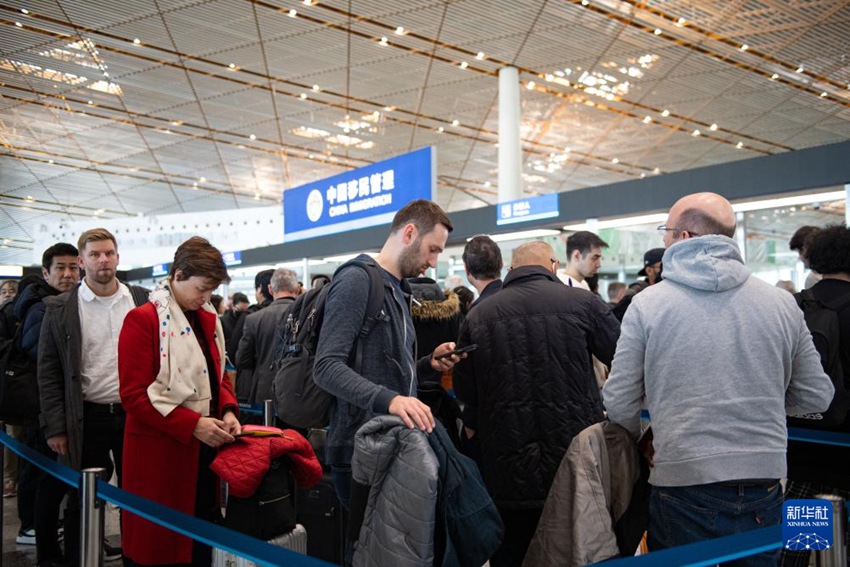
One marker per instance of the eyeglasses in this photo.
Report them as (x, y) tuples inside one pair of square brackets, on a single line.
[(674, 229)]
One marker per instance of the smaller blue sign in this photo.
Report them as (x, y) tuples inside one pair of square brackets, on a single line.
[(807, 524), (159, 270), (232, 258), (530, 209)]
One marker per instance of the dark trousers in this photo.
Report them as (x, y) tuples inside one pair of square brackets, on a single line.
[(103, 432), (48, 492), (28, 475), (520, 525)]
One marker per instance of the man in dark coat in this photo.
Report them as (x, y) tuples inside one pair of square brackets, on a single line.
[(533, 384)]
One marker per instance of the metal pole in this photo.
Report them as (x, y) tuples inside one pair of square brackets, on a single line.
[(510, 148), (268, 413), (91, 520), (835, 556)]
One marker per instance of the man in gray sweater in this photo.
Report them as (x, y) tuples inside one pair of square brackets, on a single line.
[(387, 379), (720, 358)]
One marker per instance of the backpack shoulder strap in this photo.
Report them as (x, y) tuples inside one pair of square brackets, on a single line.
[(374, 305)]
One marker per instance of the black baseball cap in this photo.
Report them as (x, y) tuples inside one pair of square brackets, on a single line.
[(651, 257)]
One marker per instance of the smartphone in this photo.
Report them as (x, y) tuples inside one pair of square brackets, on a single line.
[(461, 350)]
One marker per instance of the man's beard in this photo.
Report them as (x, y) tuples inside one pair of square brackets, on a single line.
[(408, 262)]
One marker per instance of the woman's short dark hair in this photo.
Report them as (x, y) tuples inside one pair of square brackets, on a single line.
[(828, 250), (197, 257)]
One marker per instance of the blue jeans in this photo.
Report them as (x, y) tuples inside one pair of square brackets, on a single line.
[(679, 515)]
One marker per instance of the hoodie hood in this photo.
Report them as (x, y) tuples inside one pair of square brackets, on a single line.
[(708, 263)]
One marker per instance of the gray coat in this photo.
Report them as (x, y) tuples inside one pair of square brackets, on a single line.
[(59, 359), (399, 466)]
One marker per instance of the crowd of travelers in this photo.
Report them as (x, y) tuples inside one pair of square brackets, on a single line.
[(538, 379)]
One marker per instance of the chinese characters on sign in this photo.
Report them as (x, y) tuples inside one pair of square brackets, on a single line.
[(354, 195)]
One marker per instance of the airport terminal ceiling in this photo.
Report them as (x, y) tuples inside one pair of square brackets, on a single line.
[(114, 109)]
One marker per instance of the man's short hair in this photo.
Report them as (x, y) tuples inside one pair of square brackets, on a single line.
[(197, 257), (284, 279), (700, 223), (95, 235), (583, 241), (483, 258), (325, 279), (798, 240), (239, 297), (828, 250), (58, 249), (614, 289), (423, 214), (262, 281)]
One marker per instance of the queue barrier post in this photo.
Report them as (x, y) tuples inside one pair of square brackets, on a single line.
[(268, 413), (835, 556), (91, 519)]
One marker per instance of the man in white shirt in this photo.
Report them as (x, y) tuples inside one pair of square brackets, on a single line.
[(584, 258), (81, 411)]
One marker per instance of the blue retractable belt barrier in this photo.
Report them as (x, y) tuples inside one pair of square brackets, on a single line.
[(709, 552), (250, 408), (243, 545)]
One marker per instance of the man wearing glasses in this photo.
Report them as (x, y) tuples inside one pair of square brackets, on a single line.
[(532, 381), (720, 358)]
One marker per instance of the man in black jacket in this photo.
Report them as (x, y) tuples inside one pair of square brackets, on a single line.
[(533, 384), (44, 493)]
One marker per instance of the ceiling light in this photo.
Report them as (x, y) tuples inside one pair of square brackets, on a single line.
[(615, 161), (176, 122), (789, 201), (383, 42), (619, 222), (30, 198), (292, 13), (441, 129), (99, 211), (455, 122), (744, 47), (400, 30), (137, 41), (464, 64), (530, 85), (232, 66), (681, 21), (739, 145), (774, 76), (303, 96), (308, 2), (50, 161), (695, 133), (567, 149), (389, 108), (585, 2), (91, 102), (487, 184), (657, 31), (480, 56), (253, 136), (256, 196), (642, 175), (202, 180), (24, 11), (647, 119), (195, 185), (523, 234), (800, 69), (19, 24), (316, 88), (665, 113), (713, 127), (656, 170), (823, 94)]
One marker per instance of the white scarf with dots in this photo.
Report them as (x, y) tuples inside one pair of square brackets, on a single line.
[(183, 378)]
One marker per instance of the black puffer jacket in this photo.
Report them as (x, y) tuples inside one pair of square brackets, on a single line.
[(29, 308), (532, 379)]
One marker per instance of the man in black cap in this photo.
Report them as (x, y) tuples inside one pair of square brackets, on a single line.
[(652, 270)]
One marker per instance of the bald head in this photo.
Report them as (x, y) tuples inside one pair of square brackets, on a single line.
[(536, 253), (700, 214)]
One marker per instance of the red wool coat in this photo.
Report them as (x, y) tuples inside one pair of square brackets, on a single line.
[(160, 452)]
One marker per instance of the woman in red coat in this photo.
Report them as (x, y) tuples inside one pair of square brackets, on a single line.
[(179, 404)]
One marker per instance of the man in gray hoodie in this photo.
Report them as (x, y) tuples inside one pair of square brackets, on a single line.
[(720, 357)]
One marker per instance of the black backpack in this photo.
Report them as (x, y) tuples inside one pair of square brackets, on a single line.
[(822, 321), (299, 402), (18, 386), (270, 511)]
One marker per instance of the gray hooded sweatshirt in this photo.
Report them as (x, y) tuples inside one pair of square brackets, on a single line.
[(720, 357)]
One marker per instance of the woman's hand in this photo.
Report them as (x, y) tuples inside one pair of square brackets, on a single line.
[(232, 424), (213, 432)]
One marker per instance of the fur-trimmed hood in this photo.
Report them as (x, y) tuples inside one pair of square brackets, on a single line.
[(437, 310)]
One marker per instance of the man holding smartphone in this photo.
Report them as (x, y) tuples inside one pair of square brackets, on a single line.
[(531, 379)]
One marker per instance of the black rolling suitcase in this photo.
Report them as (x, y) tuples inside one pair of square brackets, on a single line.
[(320, 512)]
